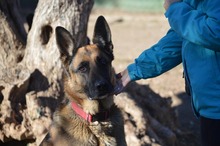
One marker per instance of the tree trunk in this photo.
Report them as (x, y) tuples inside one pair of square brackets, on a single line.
[(30, 77)]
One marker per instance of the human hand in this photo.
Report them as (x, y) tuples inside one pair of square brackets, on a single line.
[(122, 80), (167, 3)]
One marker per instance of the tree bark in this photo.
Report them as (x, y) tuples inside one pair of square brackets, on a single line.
[(30, 77)]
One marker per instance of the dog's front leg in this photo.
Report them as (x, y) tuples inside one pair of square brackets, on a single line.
[(109, 141), (102, 131)]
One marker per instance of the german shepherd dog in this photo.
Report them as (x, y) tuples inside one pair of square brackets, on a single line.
[(90, 117)]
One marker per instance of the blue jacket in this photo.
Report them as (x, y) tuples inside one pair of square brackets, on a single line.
[(194, 40)]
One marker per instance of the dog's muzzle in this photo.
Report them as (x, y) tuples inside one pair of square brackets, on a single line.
[(101, 91)]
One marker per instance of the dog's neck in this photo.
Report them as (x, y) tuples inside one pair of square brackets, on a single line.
[(85, 105), (101, 116)]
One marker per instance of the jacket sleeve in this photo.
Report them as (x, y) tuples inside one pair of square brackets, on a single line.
[(200, 26), (158, 59)]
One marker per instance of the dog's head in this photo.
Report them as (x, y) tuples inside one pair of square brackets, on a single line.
[(88, 69)]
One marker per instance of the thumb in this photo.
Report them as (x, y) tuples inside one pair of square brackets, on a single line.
[(123, 79), (119, 86), (118, 89)]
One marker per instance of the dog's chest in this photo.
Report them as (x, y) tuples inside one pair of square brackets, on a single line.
[(76, 126)]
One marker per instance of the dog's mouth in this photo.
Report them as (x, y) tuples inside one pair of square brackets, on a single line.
[(101, 94)]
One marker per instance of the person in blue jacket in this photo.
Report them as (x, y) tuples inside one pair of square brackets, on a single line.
[(194, 41)]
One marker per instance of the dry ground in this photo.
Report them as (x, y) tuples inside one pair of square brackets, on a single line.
[(134, 32)]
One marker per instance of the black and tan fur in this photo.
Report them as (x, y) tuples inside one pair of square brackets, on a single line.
[(89, 80)]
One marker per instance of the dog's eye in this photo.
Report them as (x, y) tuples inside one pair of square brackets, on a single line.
[(83, 67)]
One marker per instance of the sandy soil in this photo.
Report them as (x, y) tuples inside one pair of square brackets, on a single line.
[(134, 32)]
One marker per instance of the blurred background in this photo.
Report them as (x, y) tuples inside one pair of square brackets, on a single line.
[(131, 5)]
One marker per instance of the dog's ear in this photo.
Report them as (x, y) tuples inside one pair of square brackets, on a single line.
[(102, 34), (65, 44)]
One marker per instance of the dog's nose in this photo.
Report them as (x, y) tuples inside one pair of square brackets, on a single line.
[(101, 86)]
